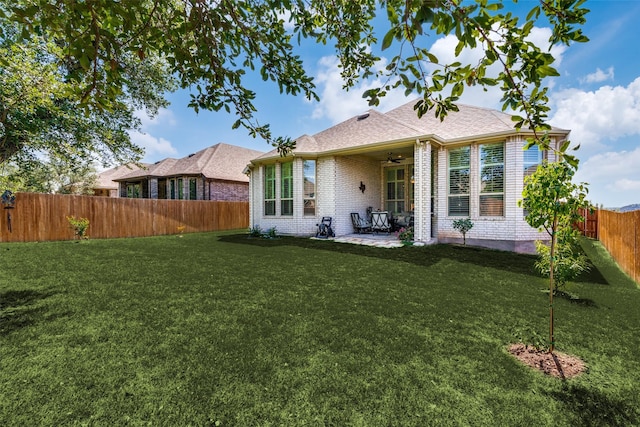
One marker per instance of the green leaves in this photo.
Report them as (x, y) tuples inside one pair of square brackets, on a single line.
[(213, 45)]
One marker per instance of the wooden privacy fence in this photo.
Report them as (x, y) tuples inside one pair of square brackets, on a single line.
[(620, 234), (589, 226), (43, 217)]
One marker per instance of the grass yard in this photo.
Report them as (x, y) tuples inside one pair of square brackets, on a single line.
[(219, 329)]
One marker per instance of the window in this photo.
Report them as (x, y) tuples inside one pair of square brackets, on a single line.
[(459, 169), (532, 158), (286, 188), (133, 190), (309, 187), (192, 189), (270, 190), (172, 187), (180, 189), (492, 179), (162, 189), (395, 189)]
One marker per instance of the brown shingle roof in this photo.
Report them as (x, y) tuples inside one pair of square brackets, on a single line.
[(106, 178), (220, 161)]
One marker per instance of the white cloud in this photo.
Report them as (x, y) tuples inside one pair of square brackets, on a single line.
[(337, 104), (598, 76), (613, 177), (598, 117), (627, 184), (164, 117), (444, 50), (154, 148)]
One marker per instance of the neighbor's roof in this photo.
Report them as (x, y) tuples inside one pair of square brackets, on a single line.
[(106, 178), (220, 161), (402, 123)]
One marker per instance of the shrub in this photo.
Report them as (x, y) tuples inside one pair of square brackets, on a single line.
[(256, 231), (463, 225), (569, 263), (80, 226), (270, 233), (405, 234)]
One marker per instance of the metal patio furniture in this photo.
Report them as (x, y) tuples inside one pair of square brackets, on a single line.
[(380, 222), (360, 225)]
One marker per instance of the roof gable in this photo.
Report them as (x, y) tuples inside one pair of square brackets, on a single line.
[(403, 123), (220, 161)]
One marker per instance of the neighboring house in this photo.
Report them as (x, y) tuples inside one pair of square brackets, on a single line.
[(105, 185), (472, 164), (215, 173)]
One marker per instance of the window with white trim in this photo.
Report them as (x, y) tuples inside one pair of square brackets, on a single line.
[(309, 187), (270, 189), (458, 185), (492, 179), (531, 159), (286, 189)]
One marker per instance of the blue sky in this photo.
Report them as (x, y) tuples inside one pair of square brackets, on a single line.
[(597, 96)]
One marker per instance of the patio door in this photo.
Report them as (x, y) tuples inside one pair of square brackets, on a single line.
[(399, 184)]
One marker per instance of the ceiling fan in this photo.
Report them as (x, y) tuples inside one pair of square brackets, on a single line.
[(390, 158)]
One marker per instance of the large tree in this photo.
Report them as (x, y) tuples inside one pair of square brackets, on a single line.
[(42, 118), (211, 45), (54, 176)]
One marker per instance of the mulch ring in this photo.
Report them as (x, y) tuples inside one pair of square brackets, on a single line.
[(556, 364)]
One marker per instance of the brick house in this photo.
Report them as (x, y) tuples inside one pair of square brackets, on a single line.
[(215, 173), (471, 165), (105, 185)]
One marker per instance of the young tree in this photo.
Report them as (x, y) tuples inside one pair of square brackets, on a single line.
[(211, 46), (553, 204)]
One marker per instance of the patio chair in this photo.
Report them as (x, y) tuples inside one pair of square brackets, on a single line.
[(380, 222), (360, 225), (324, 228)]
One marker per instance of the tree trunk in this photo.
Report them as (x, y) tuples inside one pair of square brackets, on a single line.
[(552, 252)]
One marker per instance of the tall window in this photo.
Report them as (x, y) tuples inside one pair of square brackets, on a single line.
[(134, 191), (459, 169), (192, 189), (172, 186), (286, 188), (162, 189), (395, 189), (270, 190), (532, 158), (180, 189), (309, 187), (492, 179)]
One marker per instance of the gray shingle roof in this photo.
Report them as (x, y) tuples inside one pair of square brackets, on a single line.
[(402, 123)]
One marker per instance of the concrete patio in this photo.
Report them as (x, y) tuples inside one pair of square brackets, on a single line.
[(380, 240)]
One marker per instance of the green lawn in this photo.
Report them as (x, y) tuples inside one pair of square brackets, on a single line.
[(220, 329)]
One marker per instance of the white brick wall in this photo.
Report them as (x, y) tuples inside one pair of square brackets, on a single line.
[(338, 194), (512, 227)]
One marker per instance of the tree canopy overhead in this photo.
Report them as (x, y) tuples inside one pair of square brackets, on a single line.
[(210, 46)]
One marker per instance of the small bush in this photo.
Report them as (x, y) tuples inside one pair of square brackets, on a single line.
[(80, 226), (271, 233), (405, 235), (569, 263), (463, 225), (256, 231)]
